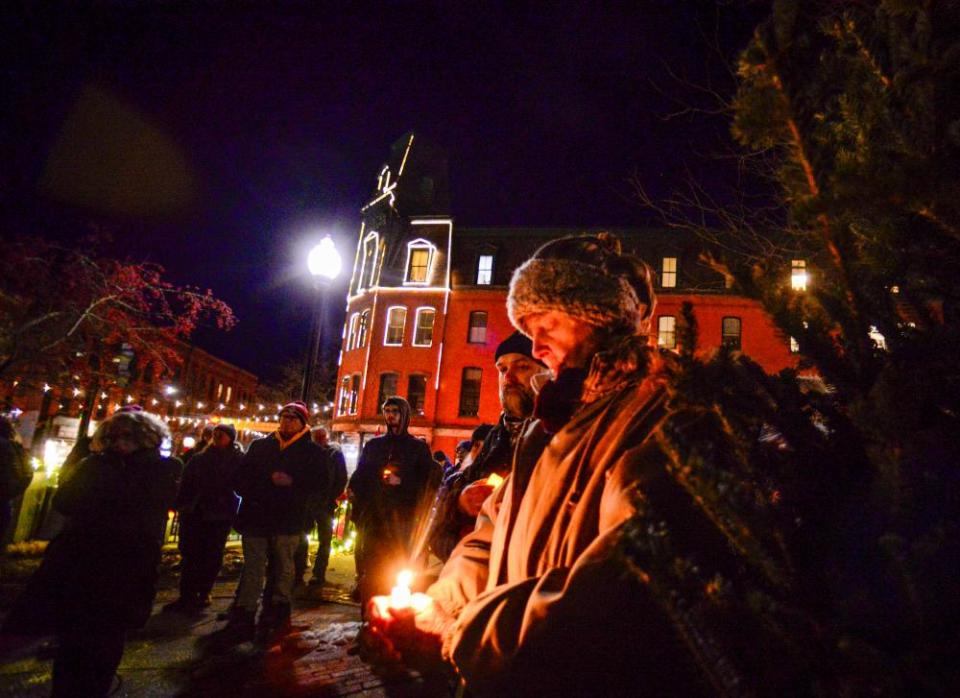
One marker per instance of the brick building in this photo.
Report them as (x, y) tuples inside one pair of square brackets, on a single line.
[(426, 305)]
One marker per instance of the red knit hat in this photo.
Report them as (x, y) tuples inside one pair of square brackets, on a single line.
[(297, 409)]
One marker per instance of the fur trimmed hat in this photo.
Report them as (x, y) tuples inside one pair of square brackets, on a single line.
[(587, 277)]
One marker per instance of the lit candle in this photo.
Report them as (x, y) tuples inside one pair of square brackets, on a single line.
[(494, 480), (400, 594)]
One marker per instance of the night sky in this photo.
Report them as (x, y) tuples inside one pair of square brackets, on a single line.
[(215, 141)]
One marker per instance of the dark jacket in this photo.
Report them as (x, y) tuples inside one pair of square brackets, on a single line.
[(448, 523), (338, 476), (101, 570), (376, 504), (206, 492), (267, 509), (15, 471)]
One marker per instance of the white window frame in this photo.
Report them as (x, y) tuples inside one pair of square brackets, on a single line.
[(416, 325), (483, 273), (363, 328), (403, 326), (668, 272), (419, 244), (352, 332), (672, 330), (375, 236)]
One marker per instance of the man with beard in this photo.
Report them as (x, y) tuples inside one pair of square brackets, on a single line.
[(538, 600), (393, 480), (463, 493)]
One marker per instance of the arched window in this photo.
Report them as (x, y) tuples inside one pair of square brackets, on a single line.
[(368, 263), (396, 321), (352, 332), (420, 254), (362, 326), (423, 330)]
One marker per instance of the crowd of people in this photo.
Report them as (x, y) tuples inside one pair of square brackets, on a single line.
[(528, 596)]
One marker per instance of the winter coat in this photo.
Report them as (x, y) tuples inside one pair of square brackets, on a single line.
[(267, 509), (338, 480), (449, 524), (206, 492), (15, 471), (380, 506), (102, 569), (543, 605)]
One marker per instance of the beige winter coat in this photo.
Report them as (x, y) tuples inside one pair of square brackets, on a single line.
[(542, 605)]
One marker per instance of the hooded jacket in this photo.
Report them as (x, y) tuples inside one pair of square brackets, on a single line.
[(380, 505), (541, 604), (267, 509)]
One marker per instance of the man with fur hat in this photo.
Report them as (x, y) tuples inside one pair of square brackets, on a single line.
[(462, 494), (392, 485), (536, 601), (207, 506), (278, 477)]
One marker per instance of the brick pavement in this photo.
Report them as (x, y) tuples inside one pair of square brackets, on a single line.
[(174, 656)]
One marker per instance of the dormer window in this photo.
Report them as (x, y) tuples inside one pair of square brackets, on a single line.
[(419, 261), (485, 270), (668, 273)]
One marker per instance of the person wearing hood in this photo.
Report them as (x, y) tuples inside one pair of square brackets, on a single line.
[(98, 576), (207, 506), (392, 485), (537, 600), (277, 480)]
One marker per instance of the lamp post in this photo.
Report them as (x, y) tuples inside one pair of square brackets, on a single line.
[(324, 265)]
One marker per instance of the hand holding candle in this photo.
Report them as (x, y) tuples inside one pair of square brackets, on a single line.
[(475, 494), (409, 623)]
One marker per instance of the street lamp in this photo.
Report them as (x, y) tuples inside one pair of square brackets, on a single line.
[(324, 264)]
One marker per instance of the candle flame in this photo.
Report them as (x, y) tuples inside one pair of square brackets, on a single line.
[(494, 480), (405, 579)]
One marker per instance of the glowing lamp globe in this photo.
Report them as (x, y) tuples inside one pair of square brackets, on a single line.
[(324, 260)]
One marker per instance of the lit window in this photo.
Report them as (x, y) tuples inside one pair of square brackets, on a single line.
[(354, 392), (362, 325), (417, 393), (219, 390), (731, 333), (344, 406), (229, 390), (668, 273), (419, 256), (794, 346), (423, 332), (485, 270), (667, 332), (396, 320), (478, 327), (470, 392), (798, 274), (388, 388), (352, 333)]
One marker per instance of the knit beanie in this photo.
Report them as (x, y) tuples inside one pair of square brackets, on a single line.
[(227, 429), (587, 277), (296, 409), (516, 343)]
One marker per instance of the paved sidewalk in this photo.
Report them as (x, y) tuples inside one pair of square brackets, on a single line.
[(173, 654)]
